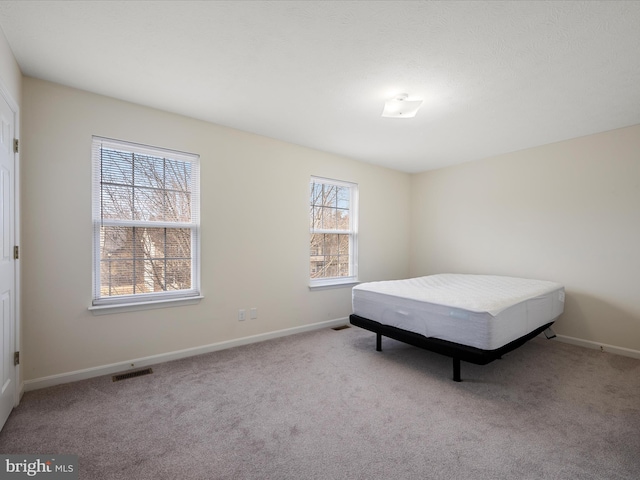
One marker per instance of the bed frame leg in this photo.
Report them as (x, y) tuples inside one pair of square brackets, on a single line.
[(378, 342), (456, 370)]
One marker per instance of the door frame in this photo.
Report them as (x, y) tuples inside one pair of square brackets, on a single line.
[(15, 108)]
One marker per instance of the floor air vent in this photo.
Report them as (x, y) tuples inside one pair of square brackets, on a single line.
[(137, 373), (341, 327)]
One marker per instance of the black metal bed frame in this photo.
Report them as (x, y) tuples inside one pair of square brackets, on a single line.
[(457, 351)]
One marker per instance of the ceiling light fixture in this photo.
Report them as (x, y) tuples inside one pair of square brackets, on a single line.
[(400, 107)]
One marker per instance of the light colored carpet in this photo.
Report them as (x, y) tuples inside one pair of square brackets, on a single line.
[(326, 405)]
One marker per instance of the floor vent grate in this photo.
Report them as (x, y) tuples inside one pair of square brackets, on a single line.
[(137, 373), (341, 327)]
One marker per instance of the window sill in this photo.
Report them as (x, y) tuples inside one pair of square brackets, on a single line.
[(333, 284), (149, 305)]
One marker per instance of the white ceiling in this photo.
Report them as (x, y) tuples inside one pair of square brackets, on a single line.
[(495, 76)]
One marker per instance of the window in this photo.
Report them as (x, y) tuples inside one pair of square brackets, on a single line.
[(145, 223), (333, 212)]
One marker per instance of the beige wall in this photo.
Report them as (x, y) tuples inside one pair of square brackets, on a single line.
[(254, 232), (10, 74), (568, 212)]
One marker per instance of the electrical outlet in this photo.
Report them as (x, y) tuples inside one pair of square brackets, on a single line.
[(254, 313), (242, 315)]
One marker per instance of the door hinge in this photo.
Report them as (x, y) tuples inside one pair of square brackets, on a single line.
[(16, 252), (16, 358), (16, 145)]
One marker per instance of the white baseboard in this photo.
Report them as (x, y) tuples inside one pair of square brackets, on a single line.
[(68, 377), (603, 347)]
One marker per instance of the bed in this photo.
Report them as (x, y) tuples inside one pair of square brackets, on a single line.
[(471, 318)]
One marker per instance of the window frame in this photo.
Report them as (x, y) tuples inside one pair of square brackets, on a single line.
[(352, 278), (145, 300)]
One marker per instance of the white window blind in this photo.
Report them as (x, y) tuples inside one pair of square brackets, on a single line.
[(146, 222)]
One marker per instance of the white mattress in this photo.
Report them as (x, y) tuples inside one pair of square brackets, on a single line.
[(482, 311)]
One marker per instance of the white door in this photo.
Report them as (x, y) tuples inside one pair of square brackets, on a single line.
[(8, 382)]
